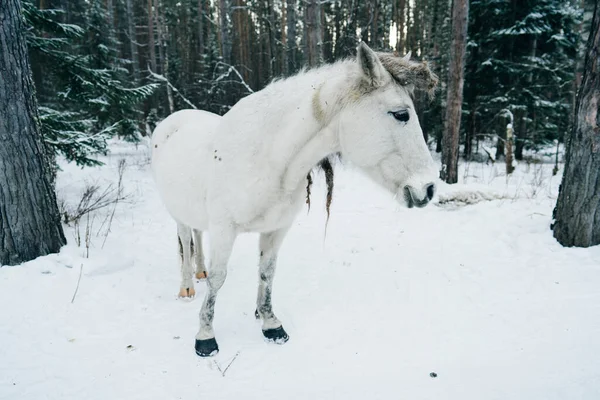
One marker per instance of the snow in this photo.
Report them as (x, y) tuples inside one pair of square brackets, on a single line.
[(480, 294)]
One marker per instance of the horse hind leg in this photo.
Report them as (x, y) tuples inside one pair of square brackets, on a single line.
[(184, 236), (198, 254), (269, 247)]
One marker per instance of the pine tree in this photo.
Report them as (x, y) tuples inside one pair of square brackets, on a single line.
[(83, 97), (29, 221), (522, 60)]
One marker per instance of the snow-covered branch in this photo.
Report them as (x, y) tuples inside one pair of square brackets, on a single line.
[(230, 69), (162, 78)]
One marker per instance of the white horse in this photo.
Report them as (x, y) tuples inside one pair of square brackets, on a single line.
[(247, 171)]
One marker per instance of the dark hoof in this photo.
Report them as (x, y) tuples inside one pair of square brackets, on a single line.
[(207, 348), (276, 335), (256, 314)]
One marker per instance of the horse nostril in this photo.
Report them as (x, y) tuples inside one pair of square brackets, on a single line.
[(430, 191)]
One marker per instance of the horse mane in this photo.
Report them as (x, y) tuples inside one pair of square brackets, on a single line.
[(410, 73)]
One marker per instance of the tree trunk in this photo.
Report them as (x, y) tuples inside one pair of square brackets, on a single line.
[(271, 52), (374, 24), (521, 134), (577, 212), (151, 41), (133, 41), (284, 62), (470, 131), (312, 22), (159, 30), (163, 54), (509, 148), (29, 219), (460, 18), (224, 25), (291, 35), (326, 34), (400, 12), (201, 29), (110, 12)]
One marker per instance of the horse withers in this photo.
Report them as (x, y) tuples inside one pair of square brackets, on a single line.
[(246, 171)]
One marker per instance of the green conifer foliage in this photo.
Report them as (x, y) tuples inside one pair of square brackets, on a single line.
[(81, 85)]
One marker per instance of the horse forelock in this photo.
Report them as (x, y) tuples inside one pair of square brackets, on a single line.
[(410, 73)]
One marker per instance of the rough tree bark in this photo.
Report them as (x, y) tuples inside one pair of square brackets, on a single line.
[(460, 22), (29, 219), (312, 23), (577, 212)]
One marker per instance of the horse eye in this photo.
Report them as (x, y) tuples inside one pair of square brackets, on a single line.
[(401, 115)]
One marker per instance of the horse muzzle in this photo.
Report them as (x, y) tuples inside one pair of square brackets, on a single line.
[(419, 197)]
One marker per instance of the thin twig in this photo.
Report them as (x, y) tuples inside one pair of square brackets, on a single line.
[(236, 355), (223, 372), (121, 169), (231, 69), (162, 78), (218, 367), (88, 234), (78, 281)]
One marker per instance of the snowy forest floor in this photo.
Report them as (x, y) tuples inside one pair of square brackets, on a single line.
[(480, 294)]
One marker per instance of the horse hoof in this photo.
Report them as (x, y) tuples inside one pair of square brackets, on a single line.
[(201, 275), (187, 292), (207, 347), (276, 335)]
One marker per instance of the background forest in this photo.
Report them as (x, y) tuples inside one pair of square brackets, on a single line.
[(116, 67), (481, 295)]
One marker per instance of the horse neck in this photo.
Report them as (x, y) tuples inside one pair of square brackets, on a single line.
[(315, 134)]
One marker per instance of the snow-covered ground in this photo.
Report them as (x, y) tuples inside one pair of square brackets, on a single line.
[(479, 294)]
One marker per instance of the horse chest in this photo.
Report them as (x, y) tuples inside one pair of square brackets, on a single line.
[(278, 212)]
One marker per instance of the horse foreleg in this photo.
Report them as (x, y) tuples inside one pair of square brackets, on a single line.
[(199, 255), (269, 247), (184, 236), (221, 244)]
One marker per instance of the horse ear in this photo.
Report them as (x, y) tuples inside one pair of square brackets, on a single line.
[(370, 65)]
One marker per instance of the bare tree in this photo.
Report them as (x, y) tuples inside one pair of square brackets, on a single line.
[(460, 22), (29, 221), (577, 212)]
